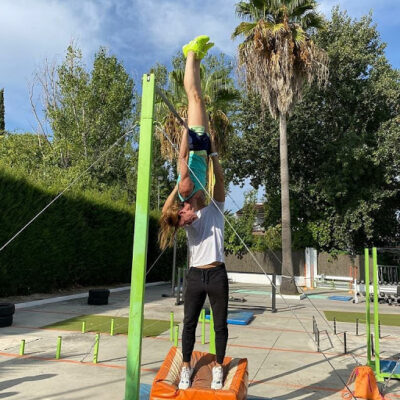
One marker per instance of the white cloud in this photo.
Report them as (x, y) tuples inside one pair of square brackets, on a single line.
[(170, 24), (41, 31), (32, 32)]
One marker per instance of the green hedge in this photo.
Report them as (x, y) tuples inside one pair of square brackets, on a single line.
[(81, 239)]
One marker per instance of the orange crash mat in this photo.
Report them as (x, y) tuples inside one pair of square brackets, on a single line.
[(165, 384)]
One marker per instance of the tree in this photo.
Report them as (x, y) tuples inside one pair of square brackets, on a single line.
[(279, 58), (88, 112), (2, 119), (66, 108), (21, 151), (242, 226), (344, 180)]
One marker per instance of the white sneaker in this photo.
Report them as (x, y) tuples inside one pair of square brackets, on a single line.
[(218, 377), (186, 374)]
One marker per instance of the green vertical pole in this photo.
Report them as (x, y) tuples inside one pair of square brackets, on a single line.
[(112, 327), (176, 336), (83, 327), (376, 312), (22, 348), (367, 307), (212, 335), (138, 275), (96, 348), (58, 351)]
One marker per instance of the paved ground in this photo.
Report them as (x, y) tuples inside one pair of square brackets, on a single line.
[(283, 359)]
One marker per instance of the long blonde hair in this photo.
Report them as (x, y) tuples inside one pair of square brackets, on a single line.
[(169, 224)]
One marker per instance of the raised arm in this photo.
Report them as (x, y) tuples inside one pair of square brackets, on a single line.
[(170, 199), (219, 188)]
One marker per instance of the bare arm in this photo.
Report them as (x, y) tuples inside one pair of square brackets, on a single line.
[(170, 200), (219, 188)]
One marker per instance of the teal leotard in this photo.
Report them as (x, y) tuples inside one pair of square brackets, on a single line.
[(197, 163)]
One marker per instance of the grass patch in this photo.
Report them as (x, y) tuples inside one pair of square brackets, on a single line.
[(342, 316), (102, 324)]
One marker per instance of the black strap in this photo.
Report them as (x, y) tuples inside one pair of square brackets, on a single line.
[(171, 108)]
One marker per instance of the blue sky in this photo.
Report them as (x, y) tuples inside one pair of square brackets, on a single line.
[(139, 32)]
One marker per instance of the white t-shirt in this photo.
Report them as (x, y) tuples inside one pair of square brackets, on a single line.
[(206, 235)]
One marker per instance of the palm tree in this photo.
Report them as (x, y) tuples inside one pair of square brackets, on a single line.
[(278, 58), (218, 93)]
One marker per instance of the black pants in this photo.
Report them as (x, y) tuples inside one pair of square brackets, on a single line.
[(200, 282)]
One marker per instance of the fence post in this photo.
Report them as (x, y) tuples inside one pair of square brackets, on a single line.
[(58, 351), (22, 348), (112, 327), (96, 348), (176, 337)]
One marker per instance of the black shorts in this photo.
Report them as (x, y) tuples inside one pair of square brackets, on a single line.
[(199, 142)]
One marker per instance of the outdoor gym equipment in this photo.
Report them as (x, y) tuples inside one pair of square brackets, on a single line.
[(235, 384)]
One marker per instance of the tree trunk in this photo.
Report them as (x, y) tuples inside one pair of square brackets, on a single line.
[(288, 285)]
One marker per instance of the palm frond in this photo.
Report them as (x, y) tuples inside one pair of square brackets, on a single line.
[(275, 28), (221, 129), (226, 95), (245, 10), (301, 10), (312, 20), (244, 28), (176, 80), (293, 4), (252, 10), (271, 5), (298, 35)]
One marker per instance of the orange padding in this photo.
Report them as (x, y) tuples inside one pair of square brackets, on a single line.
[(165, 385)]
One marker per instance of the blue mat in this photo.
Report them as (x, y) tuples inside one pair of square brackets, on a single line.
[(340, 298), (145, 391), (388, 366), (237, 317)]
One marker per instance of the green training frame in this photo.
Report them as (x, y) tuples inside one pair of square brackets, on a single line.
[(375, 363), (140, 239)]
